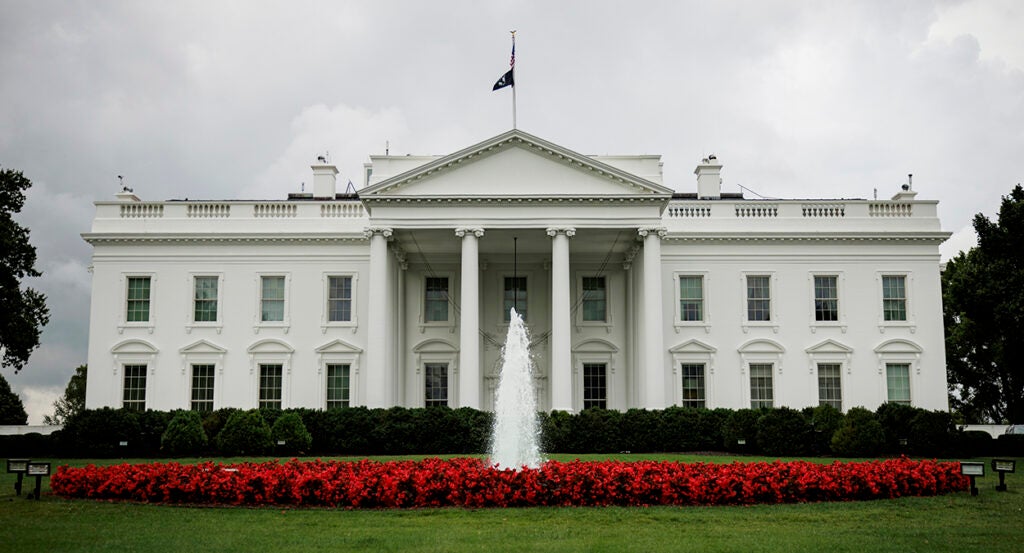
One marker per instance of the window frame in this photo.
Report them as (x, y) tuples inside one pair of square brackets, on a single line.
[(327, 385), (190, 315), (453, 285), (145, 385), (192, 386), (447, 370), (908, 301), (682, 366), (578, 319), (773, 313), (839, 375), (285, 323), (908, 366), (586, 384), (259, 385), (148, 324), (773, 402), (502, 311), (325, 316), (678, 321)]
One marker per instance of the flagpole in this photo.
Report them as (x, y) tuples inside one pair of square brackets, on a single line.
[(513, 79)]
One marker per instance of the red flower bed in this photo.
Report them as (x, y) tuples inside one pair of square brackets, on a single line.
[(471, 483)]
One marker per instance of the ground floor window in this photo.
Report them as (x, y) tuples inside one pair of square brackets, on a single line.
[(595, 385), (202, 388), (830, 391), (436, 384), (761, 392), (897, 377), (693, 385), (337, 385), (134, 387), (270, 386)]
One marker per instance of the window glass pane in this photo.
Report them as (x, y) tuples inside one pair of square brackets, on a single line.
[(339, 299), (436, 305), (894, 297), (830, 391), (270, 386), (693, 385), (138, 299), (761, 392), (205, 300), (897, 376), (337, 386), (436, 384), (826, 298), (594, 299), (691, 298), (134, 387), (758, 298), (202, 388), (272, 298), (514, 296), (595, 386)]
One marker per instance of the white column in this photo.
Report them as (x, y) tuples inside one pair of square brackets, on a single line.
[(469, 324), (375, 372), (561, 323), (652, 354)]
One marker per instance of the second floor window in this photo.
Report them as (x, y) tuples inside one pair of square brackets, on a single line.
[(205, 299), (272, 298), (514, 296), (339, 299), (435, 306), (826, 298), (894, 297), (138, 300), (691, 298), (595, 299), (759, 299)]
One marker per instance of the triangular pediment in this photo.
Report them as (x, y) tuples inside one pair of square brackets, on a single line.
[(693, 346), (517, 164), (338, 346), (829, 346), (202, 346)]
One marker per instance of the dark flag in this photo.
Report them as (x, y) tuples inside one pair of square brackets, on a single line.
[(505, 80)]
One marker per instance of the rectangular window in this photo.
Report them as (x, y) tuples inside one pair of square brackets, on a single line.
[(595, 385), (693, 385), (435, 308), (691, 298), (897, 378), (830, 391), (202, 388), (826, 298), (337, 386), (436, 384), (270, 386), (515, 296), (595, 299), (759, 300), (134, 387), (894, 297), (138, 299), (339, 298), (761, 393), (204, 300), (272, 298)]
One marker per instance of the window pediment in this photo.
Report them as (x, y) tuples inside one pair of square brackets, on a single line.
[(134, 346), (202, 346), (762, 346), (270, 345), (829, 346), (338, 346), (435, 345), (693, 346), (595, 345), (898, 346)]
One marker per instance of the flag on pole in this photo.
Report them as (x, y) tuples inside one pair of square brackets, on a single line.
[(508, 79)]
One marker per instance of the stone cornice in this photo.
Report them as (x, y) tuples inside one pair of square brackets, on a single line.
[(924, 237), (507, 199), (95, 238)]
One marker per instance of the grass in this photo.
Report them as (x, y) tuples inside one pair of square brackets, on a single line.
[(991, 522)]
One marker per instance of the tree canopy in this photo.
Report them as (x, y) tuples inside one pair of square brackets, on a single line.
[(73, 400), (12, 410), (983, 308), (25, 311)]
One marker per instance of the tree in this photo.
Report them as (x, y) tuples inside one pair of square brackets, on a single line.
[(983, 309), (25, 312), (12, 411), (73, 400)]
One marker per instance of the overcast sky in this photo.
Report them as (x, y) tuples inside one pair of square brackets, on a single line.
[(216, 100)]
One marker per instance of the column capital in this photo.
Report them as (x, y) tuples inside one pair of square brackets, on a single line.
[(475, 231), (386, 232), (660, 232), (569, 232)]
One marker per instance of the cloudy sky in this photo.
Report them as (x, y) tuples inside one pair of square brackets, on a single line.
[(216, 99)]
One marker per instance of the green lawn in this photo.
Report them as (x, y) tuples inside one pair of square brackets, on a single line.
[(991, 522)]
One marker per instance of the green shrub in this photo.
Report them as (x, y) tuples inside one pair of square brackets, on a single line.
[(895, 420), (931, 433), (595, 431), (680, 432), (974, 443), (825, 421), (1010, 445), (245, 433), (555, 431), (99, 433), (739, 433), (859, 435), (184, 435), (642, 431), (784, 432), (289, 435), (214, 421)]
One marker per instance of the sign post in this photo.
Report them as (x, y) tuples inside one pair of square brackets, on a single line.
[(19, 467), (1003, 466), (39, 470), (972, 469)]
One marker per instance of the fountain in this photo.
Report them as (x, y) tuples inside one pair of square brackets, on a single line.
[(515, 436)]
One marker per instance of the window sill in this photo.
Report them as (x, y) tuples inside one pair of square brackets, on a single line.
[(747, 325), (286, 326), (841, 325), (883, 325), (450, 325), (339, 324), (147, 326), (580, 325), (215, 326), (680, 325)]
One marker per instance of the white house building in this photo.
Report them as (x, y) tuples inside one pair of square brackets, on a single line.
[(635, 295)]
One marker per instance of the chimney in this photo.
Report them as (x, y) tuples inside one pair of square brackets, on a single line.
[(906, 192), (324, 179), (709, 179)]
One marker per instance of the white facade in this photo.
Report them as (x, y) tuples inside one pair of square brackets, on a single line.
[(709, 300)]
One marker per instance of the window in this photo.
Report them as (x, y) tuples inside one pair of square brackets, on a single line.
[(595, 299), (761, 385), (435, 308), (897, 377), (272, 299), (204, 299), (436, 384), (202, 388), (595, 386), (691, 298), (759, 301), (826, 298), (339, 298), (830, 391), (270, 386), (693, 385), (138, 299), (337, 385), (134, 387), (514, 296), (894, 297)]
